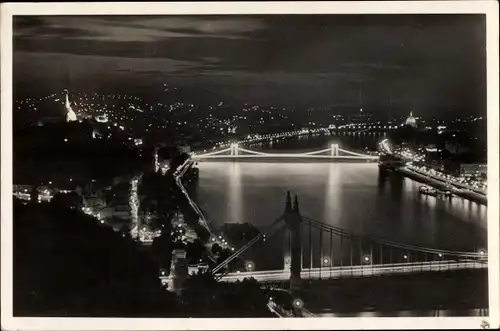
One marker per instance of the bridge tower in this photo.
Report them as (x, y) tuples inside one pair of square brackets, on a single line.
[(334, 149), (70, 114), (293, 241), (234, 149), (156, 161)]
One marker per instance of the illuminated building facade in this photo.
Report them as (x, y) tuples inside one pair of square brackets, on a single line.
[(411, 121)]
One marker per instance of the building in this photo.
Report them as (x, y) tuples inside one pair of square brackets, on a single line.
[(117, 210), (467, 170), (194, 269), (473, 169), (179, 271), (70, 114), (185, 149), (411, 121)]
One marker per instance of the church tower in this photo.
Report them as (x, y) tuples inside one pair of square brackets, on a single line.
[(70, 114)]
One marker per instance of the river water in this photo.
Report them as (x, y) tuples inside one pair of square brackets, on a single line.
[(355, 196)]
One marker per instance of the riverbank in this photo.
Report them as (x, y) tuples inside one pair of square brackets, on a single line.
[(478, 198), (202, 220)]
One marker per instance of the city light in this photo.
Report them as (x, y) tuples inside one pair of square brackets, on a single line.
[(326, 261), (249, 266), (134, 203), (298, 303)]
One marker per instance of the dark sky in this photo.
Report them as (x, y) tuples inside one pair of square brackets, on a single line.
[(427, 62)]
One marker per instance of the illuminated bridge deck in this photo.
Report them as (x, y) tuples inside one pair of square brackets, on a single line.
[(358, 271)]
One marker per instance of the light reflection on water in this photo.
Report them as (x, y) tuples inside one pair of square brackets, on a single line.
[(352, 196)]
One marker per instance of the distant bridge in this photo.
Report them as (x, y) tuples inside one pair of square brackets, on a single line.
[(237, 152)]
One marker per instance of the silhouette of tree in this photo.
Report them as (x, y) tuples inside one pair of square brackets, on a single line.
[(66, 264), (216, 249), (178, 158), (205, 297), (71, 200), (125, 231), (196, 251)]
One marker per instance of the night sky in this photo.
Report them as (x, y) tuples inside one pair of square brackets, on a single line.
[(428, 63)]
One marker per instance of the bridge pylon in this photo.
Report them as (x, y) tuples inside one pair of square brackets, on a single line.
[(334, 149), (293, 241)]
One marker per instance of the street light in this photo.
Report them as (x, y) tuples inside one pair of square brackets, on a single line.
[(298, 303), (249, 266), (326, 261), (482, 253)]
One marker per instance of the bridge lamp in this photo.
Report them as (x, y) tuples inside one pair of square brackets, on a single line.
[(326, 261), (366, 259), (102, 221), (440, 255), (298, 303), (405, 257), (249, 266), (482, 252), (163, 272)]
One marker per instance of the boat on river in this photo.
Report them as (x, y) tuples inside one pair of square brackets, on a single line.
[(427, 190)]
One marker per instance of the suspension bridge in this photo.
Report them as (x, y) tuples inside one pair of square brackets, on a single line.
[(313, 250), (234, 151)]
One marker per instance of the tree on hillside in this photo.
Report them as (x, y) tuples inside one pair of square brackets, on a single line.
[(206, 297), (67, 264)]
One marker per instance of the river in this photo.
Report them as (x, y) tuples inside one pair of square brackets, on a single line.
[(354, 196)]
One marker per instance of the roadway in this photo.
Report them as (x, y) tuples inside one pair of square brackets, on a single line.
[(178, 174), (358, 271)]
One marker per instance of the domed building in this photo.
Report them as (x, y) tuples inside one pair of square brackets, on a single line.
[(411, 121)]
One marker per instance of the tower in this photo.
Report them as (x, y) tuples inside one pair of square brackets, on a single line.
[(156, 161), (293, 241), (411, 121), (70, 114)]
